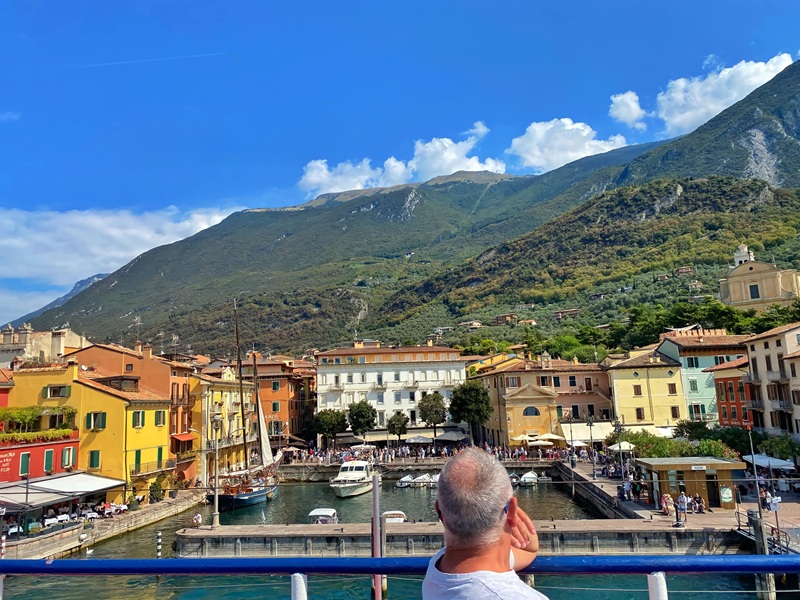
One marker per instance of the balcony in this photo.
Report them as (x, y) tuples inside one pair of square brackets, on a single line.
[(153, 467), (336, 386), (380, 385), (411, 384), (184, 457), (230, 440), (751, 378), (704, 417), (756, 404), (783, 405), (777, 376)]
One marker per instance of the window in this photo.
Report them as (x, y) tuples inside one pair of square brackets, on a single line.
[(675, 412), (754, 366), (718, 360), (380, 397), (161, 418), (744, 413), (48, 461), (796, 397), (276, 407), (513, 382), (778, 343), (94, 459), (754, 295), (66, 457), (576, 411), (128, 367), (693, 385), (337, 360), (324, 361), (412, 397), (556, 381), (397, 398), (349, 378), (752, 347), (96, 420), (544, 381), (381, 417), (24, 463), (768, 361), (362, 359), (766, 345), (640, 414), (56, 391), (573, 381), (590, 409), (174, 373), (720, 391), (637, 390), (531, 411), (276, 386), (397, 375), (725, 412), (138, 418), (792, 370), (730, 395), (741, 391), (672, 389), (559, 411), (363, 378), (734, 416), (692, 362)]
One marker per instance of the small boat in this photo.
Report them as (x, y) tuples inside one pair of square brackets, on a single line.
[(405, 482), (394, 516), (544, 478), (529, 479), (422, 480), (434, 482), (323, 516), (514, 479), (354, 479)]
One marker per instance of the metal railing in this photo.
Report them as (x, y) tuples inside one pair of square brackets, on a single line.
[(777, 376), (152, 467), (751, 378), (652, 565), (757, 404)]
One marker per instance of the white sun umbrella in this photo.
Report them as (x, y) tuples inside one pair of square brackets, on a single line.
[(579, 444), (550, 436), (520, 438), (540, 443), (622, 447)]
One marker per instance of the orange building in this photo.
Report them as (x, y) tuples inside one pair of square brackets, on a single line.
[(167, 378), (6, 385), (733, 394), (287, 392)]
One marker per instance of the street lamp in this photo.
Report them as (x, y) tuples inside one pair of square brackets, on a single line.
[(216, 425), (755, 473), (572, 460), (619, 430), (590, 424)]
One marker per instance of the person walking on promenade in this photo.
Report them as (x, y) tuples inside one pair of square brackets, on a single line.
[(487, 536), (682, 502)]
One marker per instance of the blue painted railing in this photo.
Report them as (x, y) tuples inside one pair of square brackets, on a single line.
[(616, 564)]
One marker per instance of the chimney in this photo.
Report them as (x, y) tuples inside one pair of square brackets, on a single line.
[(25, 332), (146, 350), (137, 347), (8, 334)]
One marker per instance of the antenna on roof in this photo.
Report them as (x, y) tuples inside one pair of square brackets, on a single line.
[(137, 322), (175, 342), (160, 336)]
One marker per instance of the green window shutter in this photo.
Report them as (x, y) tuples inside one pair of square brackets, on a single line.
[(24, 463), (160, 455), (141, 418), (67, 390), (94, 459), (88, 421), (44, 391), (48, 460), (137, 460), (135, 418), (102, 424), (65, 457)]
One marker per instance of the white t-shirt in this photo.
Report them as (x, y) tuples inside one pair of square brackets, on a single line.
[(480, 585)]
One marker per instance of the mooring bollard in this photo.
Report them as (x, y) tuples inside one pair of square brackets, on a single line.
[(158, 544), (3, 546), (657, 586), (299, 586)]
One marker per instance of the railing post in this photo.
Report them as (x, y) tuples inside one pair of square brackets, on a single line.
[(158, 544), (657, 586), (299, 587)]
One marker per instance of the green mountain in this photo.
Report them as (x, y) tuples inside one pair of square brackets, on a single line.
[(392, 262)]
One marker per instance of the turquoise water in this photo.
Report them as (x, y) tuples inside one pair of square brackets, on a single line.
[(292, 506)]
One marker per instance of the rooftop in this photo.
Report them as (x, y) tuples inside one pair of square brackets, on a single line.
[(773, 332)]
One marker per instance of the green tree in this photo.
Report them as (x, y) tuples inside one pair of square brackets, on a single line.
[(780, 446), (329, 422), (691, 430), (432, 411), (362, 417), (737, 438), (470, 404), (397, 425)]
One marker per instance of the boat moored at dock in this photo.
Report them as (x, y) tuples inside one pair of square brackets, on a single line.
[(354, 479)]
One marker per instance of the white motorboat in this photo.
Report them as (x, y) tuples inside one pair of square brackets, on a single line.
[(434, 482), (544, 478), (323, 516), (529, 479), (354, 479), (395, 516), (421, 480), (405, 482), (514, 479)]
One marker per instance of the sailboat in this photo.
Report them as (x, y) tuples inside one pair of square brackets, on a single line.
[(259, 482)]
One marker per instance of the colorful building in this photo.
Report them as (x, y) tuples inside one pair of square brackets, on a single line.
[(123, 429), (733, 394), (697, 349), (646, 389), (42, 347), (752, 284), (6, 385)]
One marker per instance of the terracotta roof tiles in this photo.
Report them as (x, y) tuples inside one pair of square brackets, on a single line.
[(774, 331)]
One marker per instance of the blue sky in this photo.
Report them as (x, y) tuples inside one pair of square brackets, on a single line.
[(128, 125)]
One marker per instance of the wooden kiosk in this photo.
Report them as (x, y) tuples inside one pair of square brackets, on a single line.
[(712, 478)]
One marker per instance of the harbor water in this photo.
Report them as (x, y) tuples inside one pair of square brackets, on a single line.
[(292, 505)]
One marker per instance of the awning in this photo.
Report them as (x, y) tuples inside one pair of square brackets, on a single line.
[(580, 431), (764, 461), (15, 497), (183, 437), (451, 436), (44, 491), (79, 484)]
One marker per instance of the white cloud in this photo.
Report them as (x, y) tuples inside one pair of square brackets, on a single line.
[(687, 103), (438, 156), (625, 108), (547, 145), (9, 116), (51, 249)]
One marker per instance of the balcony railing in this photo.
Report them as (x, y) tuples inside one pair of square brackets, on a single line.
[(184, 457), (704, 417), (751, 378), (336, 386), (153, 467), (782, 405), (757, 404), (380, 385), (230, 440), (412, 384), (643, 565), (777, 376)]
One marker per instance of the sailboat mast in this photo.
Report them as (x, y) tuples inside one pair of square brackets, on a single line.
[(241, 386), (257, 405)]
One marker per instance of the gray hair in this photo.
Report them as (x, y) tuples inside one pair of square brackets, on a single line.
[(473, 491)]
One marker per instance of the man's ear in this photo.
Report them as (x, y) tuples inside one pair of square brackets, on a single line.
[(438, 512), (511, 517)]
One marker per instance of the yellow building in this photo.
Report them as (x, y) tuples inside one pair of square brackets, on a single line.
[(124, 431), (646, 389), (757, 285), (219, 401)]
